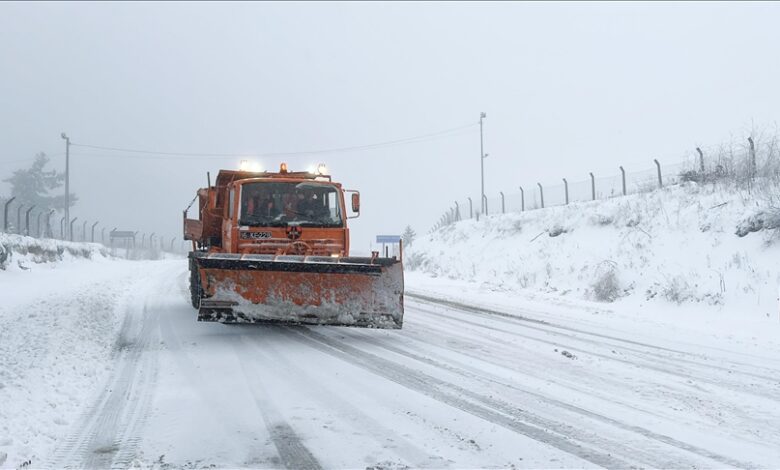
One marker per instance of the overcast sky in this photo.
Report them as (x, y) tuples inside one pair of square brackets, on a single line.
[(568, 88)]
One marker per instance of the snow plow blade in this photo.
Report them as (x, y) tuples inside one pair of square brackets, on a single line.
[(319, 290)]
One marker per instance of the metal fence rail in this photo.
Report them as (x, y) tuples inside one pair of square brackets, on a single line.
[(740, 165), (47, 223)]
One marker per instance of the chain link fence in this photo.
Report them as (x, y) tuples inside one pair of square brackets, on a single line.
[(44, 223), (742, 165)]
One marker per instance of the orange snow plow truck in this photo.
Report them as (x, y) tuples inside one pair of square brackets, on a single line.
[(274, 247)]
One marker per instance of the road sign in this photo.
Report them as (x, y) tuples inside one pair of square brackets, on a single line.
[(388, 238)]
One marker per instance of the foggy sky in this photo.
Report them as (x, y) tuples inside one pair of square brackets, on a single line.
[(567, 88)]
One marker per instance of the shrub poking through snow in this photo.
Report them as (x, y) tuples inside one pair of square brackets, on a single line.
[(602, 220), (753, 223), (4, 254), (762, 220), (557, 230), (678, 290), (414, 260), (606, 287)]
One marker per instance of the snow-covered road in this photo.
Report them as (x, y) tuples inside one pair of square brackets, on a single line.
[(462, 385)]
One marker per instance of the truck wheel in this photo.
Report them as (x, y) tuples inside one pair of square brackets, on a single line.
[(196, 290)]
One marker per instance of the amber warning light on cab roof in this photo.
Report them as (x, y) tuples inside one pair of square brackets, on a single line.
[(248, 165)]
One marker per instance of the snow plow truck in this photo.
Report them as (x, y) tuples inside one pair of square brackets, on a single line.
[(273, 247)]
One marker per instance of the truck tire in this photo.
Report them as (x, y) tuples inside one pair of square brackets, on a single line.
[(196, 290)]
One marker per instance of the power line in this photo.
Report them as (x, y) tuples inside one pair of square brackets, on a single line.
[(248, 155), (390, 143)]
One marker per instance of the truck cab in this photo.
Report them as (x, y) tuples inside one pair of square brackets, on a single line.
[(277, 213)]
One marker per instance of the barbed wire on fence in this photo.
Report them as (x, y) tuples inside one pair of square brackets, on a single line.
[(736, 164)]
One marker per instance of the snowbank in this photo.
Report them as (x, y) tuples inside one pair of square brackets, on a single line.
[(687, 244), (17, 251), (61, 305)]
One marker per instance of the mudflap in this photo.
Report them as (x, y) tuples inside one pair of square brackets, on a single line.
[(317, 290)]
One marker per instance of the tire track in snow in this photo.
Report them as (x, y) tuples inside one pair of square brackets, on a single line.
[(655, 365), (286, 368), (107, 435), (292, 452), (488, 379), (206, 390), (489, 409), (755, 423), (524, 320)]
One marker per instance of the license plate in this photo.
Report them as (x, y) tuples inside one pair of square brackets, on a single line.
[(255, 235)]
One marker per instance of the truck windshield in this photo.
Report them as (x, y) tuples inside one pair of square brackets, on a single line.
[(278, 204)]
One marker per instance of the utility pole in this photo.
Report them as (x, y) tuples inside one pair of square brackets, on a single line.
[(482, 157), (67, 179)]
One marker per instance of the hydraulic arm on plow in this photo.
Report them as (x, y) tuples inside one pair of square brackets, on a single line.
[(274, 247)]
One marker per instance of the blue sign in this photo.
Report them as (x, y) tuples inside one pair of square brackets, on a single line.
[(388, 238)]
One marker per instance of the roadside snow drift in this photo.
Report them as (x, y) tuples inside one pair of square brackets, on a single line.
[(679, 245), (60, 307), (17, 251)]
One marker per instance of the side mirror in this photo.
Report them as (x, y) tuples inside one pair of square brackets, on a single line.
[(356, 202)]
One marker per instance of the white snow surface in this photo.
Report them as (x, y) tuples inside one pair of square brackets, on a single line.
[(19, 252), (103, 365), (58, 325), (670, 247)]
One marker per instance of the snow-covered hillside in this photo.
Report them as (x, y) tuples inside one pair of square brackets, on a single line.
[(687, 244)]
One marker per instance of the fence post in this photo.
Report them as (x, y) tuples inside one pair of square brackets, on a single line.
[(5, 213), (457, 211), (84, 231), (49, 232), (701, 160), (623, 176), (484, 200), (753, 166), (71, 228), (143, 240), (19, 219), (172, 240), (39, 224), (566, 189), (541, 193), (103, 235), (503, 207), (27, 220), (592, 186), (660, 182), (62, 228), (522, 199), (471, 209), (93, 230)]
